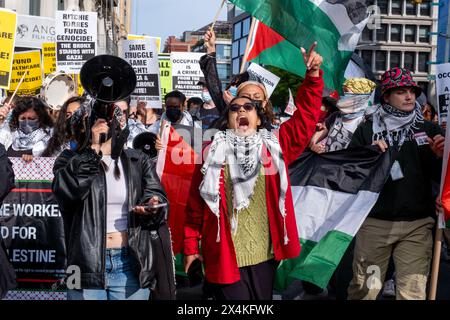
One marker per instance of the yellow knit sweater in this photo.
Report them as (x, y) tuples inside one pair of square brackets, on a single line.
[(252, 238)]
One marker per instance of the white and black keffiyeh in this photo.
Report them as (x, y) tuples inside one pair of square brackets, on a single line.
[(243, 155), (395, 125), (36, 141)]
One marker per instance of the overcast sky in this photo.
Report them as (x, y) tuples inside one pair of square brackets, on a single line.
[(163, 18)]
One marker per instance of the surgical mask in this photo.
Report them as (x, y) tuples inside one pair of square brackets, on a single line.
[(206, 96), (28, 126), (233, 91), (173, 114)]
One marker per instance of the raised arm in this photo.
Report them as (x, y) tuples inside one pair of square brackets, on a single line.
[(295, 134)]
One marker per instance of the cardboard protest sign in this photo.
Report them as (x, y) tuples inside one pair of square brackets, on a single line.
[(142, 55), (33, 31), (157, 39), (186, 73), (8, 21), (269, 79), (76, 39), (32, 83)]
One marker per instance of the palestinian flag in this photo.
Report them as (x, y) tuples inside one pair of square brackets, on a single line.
[(175, 167), (333, 193), (287, 25)]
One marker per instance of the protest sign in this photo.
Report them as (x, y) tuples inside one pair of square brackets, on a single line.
[(186, 73), (443, 91), (31, 225), (269, 80), (26, 61), (142, 55), (33, 31), (165, 73), (157, 39), (76, 39), (49, 58), (8, 21)]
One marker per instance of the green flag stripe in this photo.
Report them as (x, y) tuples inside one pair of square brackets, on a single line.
[(317, 261)]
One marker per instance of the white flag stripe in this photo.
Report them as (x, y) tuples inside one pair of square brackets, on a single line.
[(345, 212)]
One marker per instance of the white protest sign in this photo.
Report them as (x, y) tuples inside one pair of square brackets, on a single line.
[(290, 107), (269, 80), (76, 39), (443, 91), (33, 31), (142, 55), (186, 73)]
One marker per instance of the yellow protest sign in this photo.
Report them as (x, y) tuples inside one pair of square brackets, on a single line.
[(165, 77), (49, 57), (32, 83), (8, 20), (136, 37), (76, 78)]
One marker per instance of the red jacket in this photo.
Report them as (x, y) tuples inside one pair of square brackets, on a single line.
[(201, 224)]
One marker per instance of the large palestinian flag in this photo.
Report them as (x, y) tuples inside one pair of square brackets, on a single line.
[(287, 25), (333, 193)]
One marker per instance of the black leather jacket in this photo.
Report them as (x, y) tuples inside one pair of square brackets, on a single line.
[(80, 188)]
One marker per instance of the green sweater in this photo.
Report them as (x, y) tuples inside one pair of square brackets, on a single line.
[(251, 240)]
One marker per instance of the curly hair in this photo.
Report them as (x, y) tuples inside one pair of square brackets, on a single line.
[(260, 112), (40, 107), (61, 133)]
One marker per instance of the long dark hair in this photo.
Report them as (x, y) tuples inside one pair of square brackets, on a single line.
[(24, 104), (265, 122), (62, 133)]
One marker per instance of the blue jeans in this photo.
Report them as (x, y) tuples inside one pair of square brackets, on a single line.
[(121, 282)]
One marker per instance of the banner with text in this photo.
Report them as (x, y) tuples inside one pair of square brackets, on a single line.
[(142, 55), (186, 73), (8, 21), (32, 83), (33, 31), (266, 77), (165, 74), (49, 58), (136, 37), (32, 227), (443, 91), (76, 39)]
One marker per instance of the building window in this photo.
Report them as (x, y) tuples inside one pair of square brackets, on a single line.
[(2, 3), (223, 71), (397, 7), (366, 55), (423, 34), (410, 33), (423, 86), (395, 59), (242, 46), (422, 66), (382, 33), (383, 5), (236, 64), (425, 9), (396, 33), (408, 61), (246, 27), (60, 4), (380, 60), (223, 51), (35, 7), (235, 49), (367, 35), (237, 30), (410, 8)]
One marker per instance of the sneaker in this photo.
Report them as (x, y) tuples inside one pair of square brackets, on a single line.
[(389, 288)]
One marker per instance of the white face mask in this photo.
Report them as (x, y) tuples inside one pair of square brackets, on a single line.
[(206, 97)]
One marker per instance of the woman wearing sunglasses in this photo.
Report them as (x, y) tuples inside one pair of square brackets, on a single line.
[(241, 205)]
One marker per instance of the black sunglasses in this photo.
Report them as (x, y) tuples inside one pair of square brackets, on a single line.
[(247, 106)]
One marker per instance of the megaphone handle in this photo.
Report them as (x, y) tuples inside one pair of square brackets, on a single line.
[(102, 138)]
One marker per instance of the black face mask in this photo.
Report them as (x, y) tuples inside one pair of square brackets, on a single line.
[(173, 114)]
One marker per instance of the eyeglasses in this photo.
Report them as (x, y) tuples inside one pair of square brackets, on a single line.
[(247, 107)]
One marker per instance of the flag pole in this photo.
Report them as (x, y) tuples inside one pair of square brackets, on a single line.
[(247, 47), (436, 258), (217, 15)]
